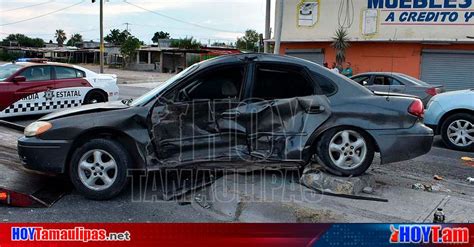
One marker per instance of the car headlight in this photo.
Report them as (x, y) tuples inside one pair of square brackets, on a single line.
[(37, 128)]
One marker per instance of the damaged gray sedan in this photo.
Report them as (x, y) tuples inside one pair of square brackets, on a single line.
[(249, 111)]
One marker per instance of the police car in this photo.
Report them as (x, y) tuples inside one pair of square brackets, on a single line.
[(35, 86)]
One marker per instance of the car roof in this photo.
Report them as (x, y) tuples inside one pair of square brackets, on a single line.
[(28, 64), (261, 57), (379, 73)]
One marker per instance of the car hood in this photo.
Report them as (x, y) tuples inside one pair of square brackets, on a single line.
[(109, 106)]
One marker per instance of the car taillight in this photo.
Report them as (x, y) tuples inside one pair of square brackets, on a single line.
[(416, 108), (432, 91)]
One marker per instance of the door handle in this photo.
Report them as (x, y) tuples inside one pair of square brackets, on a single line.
[(317, 109), (230, 114)]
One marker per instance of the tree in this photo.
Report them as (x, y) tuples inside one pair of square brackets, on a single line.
[(340, 42), (250, 42), (186, 43), (129, 47), (23, 40), (74, 40), (60, 37), (117, 37), (160, 35)]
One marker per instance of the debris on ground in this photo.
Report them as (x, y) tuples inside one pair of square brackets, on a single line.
[(439, 188), (368, 190), (418, 186), (438, 177), (346, 187), (430, 187), (470, 180), (468, 161)]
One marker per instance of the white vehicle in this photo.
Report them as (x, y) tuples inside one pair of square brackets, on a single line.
[(39, 87)]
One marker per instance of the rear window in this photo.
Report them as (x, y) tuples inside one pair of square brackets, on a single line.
[(414, 80)]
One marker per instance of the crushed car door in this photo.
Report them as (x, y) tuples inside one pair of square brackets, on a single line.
[(38, 81), (284, 110), (187, 127)]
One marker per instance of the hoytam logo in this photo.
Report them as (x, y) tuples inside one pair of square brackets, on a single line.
[(78, 234), (434, 234)]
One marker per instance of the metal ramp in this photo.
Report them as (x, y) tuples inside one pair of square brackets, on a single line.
[(19, 186)]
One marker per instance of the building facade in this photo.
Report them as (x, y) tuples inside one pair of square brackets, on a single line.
[(428, 39)]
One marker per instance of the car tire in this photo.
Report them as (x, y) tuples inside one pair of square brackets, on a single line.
[(346, 151), (460, 126), (98, 169), (94, 97)]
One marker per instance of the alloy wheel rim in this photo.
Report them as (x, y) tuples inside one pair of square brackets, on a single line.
[(97, 170), (461, 133), (348, 149)]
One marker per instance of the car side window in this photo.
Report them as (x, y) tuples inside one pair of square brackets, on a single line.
[(67, 73), (37, 73), (281, 82), (221, 83), (327, 86), (386, 81), (80, 74), (395, 82), (381, 80), (362, 80)]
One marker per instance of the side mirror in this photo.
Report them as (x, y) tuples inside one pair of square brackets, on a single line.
[(18, 79)]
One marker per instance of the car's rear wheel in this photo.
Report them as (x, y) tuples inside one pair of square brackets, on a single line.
[(94, 97), (99, 169), (346, 151), (457, 132)]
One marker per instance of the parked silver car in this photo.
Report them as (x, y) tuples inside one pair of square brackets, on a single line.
[(398, 83)]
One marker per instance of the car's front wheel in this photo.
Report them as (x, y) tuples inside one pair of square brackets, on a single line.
[(457, 132), (99, 169), (345, 151)]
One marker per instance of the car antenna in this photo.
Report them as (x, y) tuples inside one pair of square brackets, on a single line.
[(393, 61)]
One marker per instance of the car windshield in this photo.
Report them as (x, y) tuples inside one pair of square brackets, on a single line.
[(414, 80), (7, 70), (152, 94)]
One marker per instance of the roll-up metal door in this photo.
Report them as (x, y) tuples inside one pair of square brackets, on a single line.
[(313, 55), (453, 69)]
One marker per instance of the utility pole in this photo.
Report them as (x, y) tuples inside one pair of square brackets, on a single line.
[(127, 24), (268, 34), (278, 24), (101, 36)]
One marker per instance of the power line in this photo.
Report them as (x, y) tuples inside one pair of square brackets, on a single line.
[(179, 20), (43, 15), (28, 6), (186, 35)]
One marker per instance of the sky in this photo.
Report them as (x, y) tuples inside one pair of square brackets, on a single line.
[(205, 20)]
